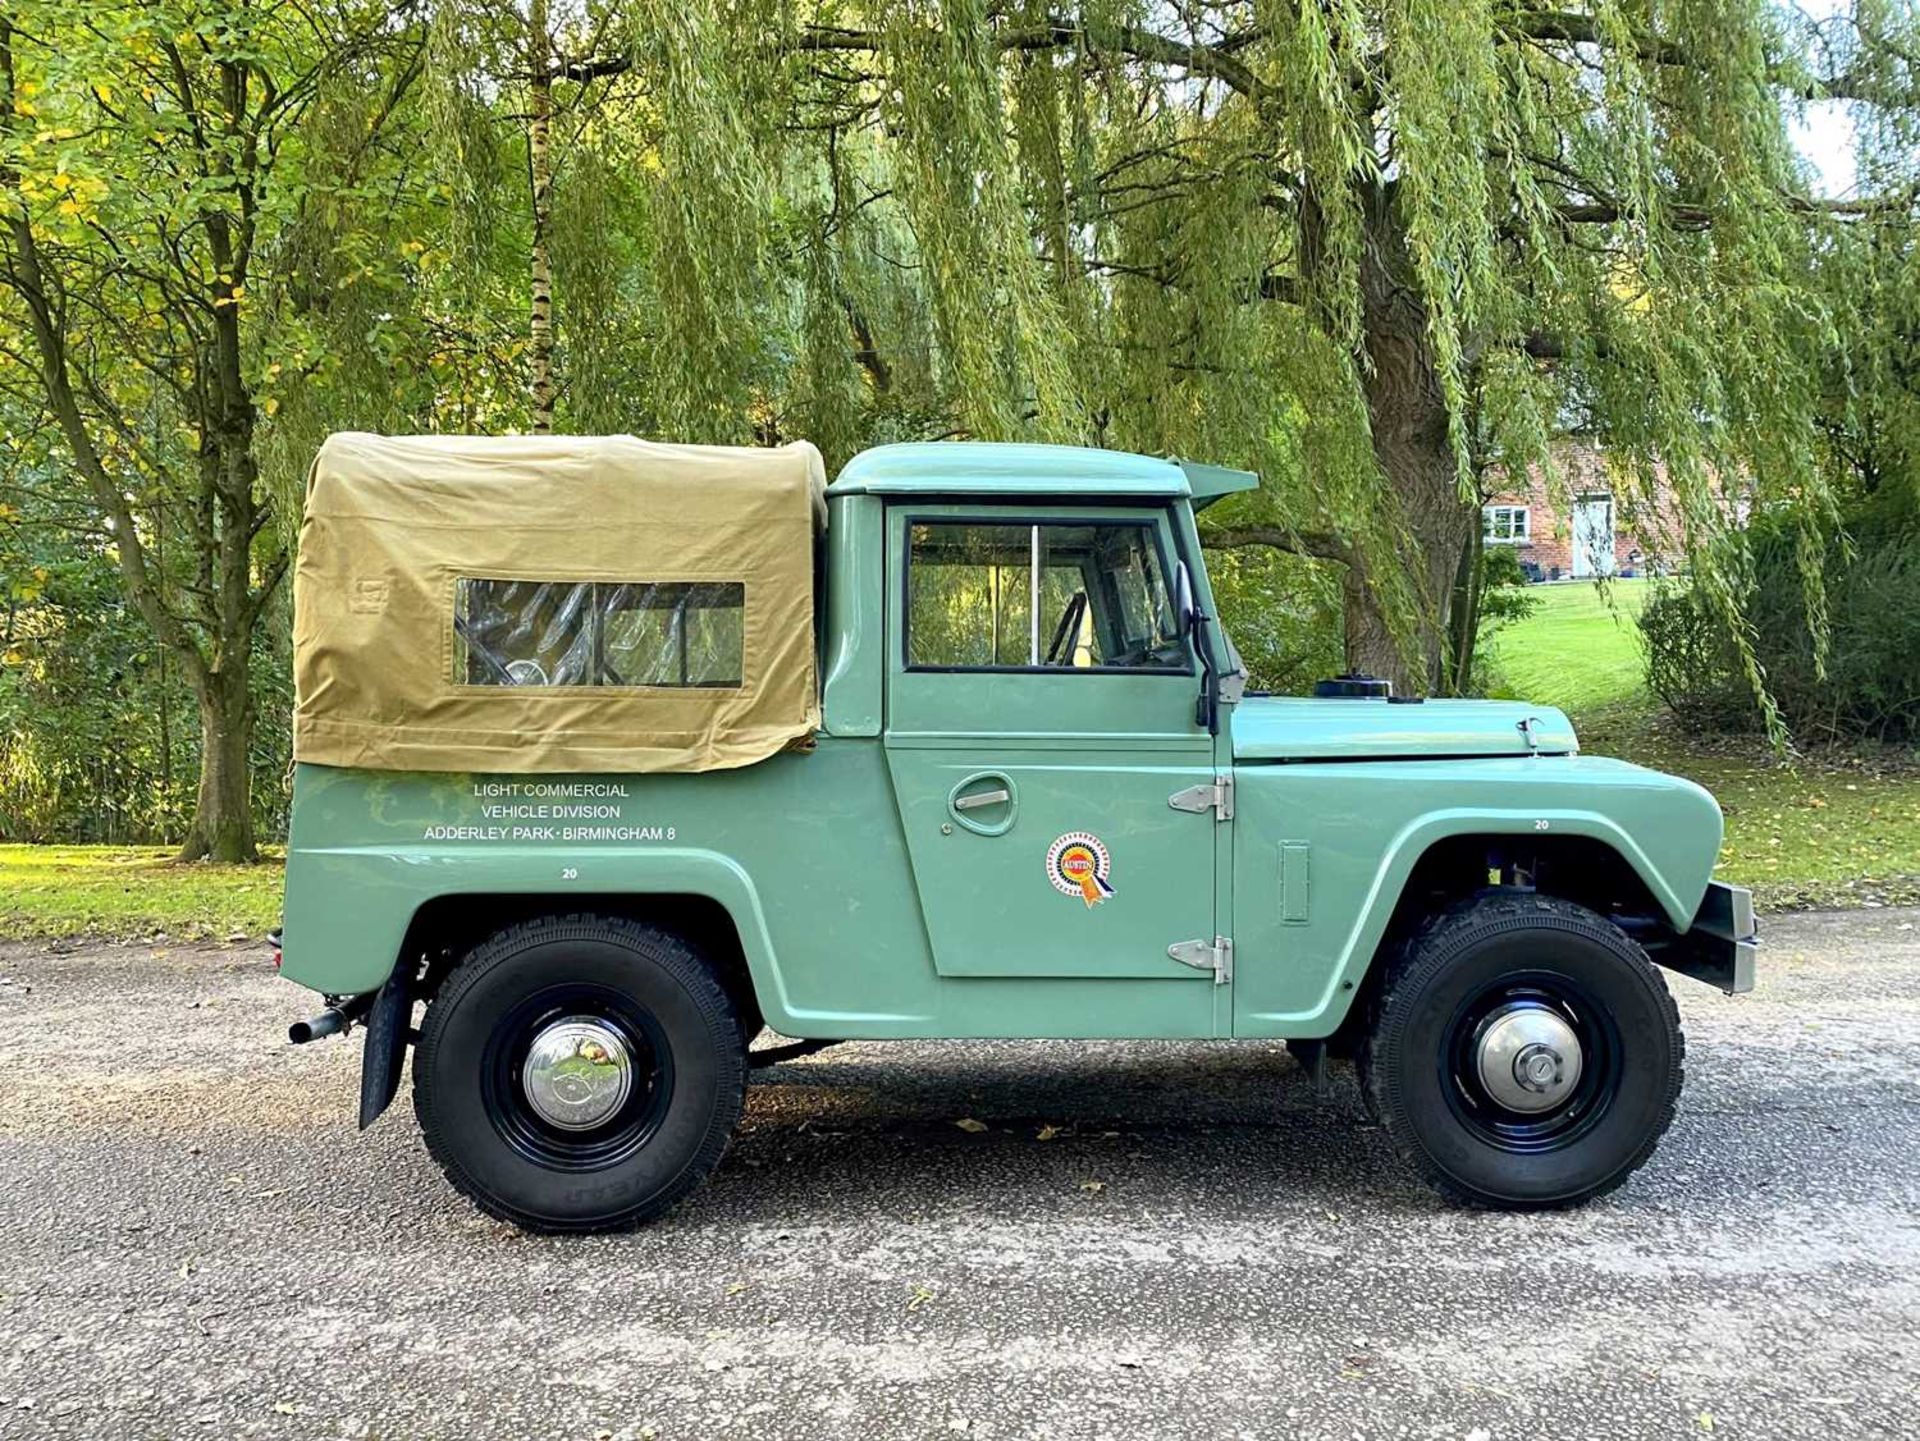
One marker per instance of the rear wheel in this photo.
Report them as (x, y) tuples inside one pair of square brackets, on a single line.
[(1523, 1053), (579, 1073)]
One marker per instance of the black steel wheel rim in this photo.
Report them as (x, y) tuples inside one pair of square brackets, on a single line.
[(622, 1134), (1521, 1132)]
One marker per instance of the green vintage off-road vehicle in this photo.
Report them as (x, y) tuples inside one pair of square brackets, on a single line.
[(611, 754)]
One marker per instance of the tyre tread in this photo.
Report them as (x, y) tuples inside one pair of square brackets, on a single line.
[(692, 972), (1432, 946)]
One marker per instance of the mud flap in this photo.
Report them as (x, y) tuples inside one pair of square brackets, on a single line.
[(385, 1055)]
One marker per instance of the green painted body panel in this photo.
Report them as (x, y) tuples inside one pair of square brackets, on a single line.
[(1053, 472), (1275, 728), (1350, 833), (1209, 483), (805, 851), (871, 903), (852, 667), (1073, 751)]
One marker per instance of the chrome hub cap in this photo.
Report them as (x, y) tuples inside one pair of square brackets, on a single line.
[(579, 1071), (1529, 1058)]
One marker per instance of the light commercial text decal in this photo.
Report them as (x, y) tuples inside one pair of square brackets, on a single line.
[(551, 811)]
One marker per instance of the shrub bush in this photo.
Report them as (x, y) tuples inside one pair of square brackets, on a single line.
[(1872, 681)]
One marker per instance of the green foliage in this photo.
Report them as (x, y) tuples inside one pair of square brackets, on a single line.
[(1687, 664), (1505, 596), (1283, 614), (1353, 245), (99, 736), (1863, 682), (93, 732), (197, 206)]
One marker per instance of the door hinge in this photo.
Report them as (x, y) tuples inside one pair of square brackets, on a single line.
[(1215, 955), (1216, 796)]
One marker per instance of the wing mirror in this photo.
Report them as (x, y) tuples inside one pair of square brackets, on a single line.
[(1192, 622), (1185, 612)]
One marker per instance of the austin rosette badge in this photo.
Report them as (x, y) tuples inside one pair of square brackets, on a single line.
[(1078, 865)]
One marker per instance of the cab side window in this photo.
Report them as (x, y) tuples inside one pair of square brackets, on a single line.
[(1057, 595)]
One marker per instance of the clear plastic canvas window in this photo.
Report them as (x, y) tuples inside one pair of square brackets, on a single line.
[(554, 633)]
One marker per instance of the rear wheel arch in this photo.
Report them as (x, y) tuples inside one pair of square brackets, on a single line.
[(445, 929)]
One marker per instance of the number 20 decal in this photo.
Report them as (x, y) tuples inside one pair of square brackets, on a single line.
[(1543, 825)]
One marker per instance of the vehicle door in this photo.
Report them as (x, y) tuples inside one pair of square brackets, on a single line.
[(1040, 716)]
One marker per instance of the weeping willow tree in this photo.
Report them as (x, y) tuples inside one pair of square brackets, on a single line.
[(1370, 248), (1871, 267), (1367, 247)]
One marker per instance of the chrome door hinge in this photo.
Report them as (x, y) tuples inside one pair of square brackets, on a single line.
[(1216, 797), (1215, 955)]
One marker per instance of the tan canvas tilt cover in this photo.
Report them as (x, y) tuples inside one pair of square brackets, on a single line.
[(547, 603)]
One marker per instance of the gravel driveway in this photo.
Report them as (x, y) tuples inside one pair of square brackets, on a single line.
[(194, 1241)]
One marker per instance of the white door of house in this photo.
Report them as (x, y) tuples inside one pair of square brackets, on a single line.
[(1592, 536)]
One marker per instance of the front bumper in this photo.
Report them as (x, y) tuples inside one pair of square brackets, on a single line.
[(1721, 944)]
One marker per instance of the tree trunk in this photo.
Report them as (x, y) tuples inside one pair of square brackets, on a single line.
[(1463, 623), (1407, 413), (540, 166), (222, 828)]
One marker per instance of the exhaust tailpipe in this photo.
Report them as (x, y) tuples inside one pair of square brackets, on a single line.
[(332, 1021)]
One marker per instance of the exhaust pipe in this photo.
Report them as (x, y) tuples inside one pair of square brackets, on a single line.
[(332, 1021)]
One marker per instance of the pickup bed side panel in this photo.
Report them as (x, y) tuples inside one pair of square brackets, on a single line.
[(804, 851), (1322, 852)]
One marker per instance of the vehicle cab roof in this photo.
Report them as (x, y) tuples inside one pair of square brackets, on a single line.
[(980, 468)]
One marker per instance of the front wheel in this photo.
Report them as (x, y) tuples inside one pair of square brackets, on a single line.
[(1523, 1054), (579, 1073)]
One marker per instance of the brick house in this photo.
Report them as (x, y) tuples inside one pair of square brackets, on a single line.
[(1582, 528)]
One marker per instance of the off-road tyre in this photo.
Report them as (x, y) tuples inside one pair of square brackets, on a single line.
[(649, 982), (1521, 948)]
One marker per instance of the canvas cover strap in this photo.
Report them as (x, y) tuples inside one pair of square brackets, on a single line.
[(553, 604)]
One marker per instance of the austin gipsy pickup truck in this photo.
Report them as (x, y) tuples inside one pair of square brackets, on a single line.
[(612, 754)]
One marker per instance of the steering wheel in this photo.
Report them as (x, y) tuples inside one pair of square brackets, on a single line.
[(1069, 625)]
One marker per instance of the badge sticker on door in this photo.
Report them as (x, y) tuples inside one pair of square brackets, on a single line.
[(1078, 865)]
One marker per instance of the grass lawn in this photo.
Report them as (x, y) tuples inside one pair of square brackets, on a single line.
[(132, 891), (1831, 828), (1575, 651)]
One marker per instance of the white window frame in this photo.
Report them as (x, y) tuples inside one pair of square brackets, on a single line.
[(1522, 534)]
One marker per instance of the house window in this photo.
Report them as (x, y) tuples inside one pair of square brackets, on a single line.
[(1057, 595), (1507, 524), (671, 634)]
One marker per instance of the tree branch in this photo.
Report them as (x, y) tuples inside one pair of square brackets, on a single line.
[(1575, 29), (1316, 544), (1215, 62)]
